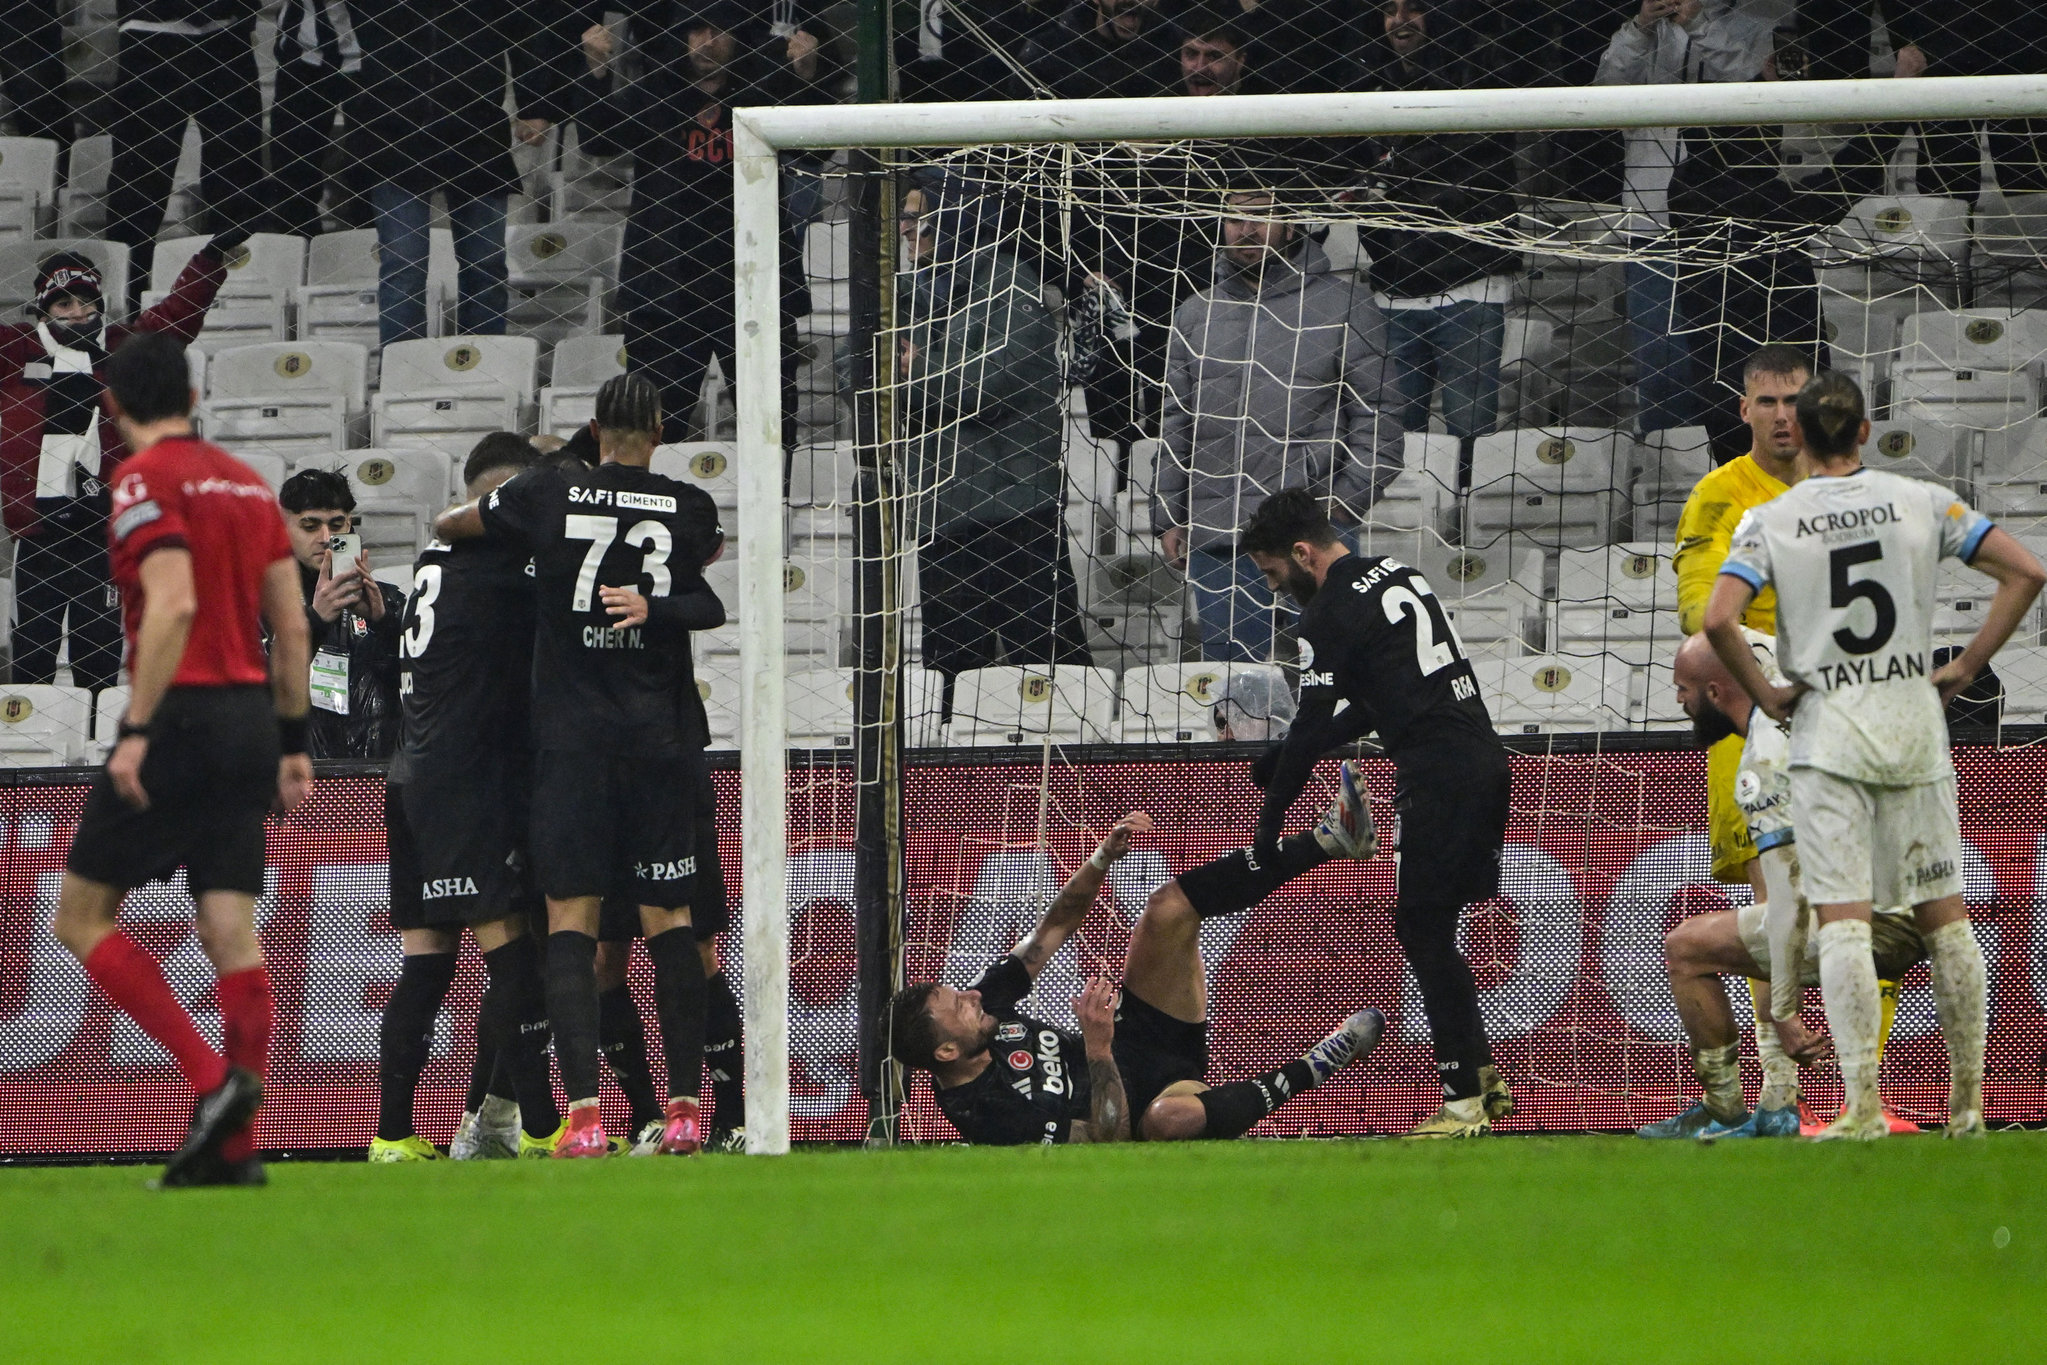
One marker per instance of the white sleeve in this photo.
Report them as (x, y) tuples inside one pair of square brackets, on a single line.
[(1962, 527), (1748, 556)]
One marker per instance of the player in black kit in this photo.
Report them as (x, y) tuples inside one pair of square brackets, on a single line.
[(617, 554), (1373, 635), (1139, 1067), (455, 807)]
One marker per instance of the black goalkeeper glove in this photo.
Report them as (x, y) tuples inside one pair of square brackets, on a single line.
[(225, 243)]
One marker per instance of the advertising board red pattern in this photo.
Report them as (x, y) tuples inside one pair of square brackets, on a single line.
[(1605, 853)]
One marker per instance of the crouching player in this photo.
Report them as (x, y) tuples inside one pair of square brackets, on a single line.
[(1751, 941), (1139, 1067)]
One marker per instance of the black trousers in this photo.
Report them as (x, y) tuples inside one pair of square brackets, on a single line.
[(63, 578), (167, 78), (1000, 591), (302, 147), (673, 347), (1123, 401), (32, 69), (1950, 162)]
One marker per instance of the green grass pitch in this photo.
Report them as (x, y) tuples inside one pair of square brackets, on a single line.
[(1569, 1249)]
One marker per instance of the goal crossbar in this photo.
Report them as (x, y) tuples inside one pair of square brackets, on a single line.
[(759, 134)]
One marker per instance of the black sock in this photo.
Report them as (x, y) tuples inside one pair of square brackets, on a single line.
[(517, 980), (725, 1053), (572, 1010), (624, 1036), (489, 1027), (406, 1035), (1428, 936), (1298, 854), (680, 993), (1232, 1110)]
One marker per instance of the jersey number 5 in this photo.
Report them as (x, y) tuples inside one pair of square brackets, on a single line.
[(1431, 654), (651, 536), (1848, 591)]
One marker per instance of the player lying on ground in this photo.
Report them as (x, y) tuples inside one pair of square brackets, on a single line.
[(1139, 1068), (1855, 555), (1375, 640), (617, 553), (1704, 948), (455, 807), (213, 739)]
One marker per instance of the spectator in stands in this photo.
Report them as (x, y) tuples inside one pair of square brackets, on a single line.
[(1276, 377), (1745, 278), (427, 115), (675, 286), (983, 413), (318, 63), (32, 71), (1216, 55), (1669, 42), (353, 620), (1105, 49), (1445, 295), (183, 60), (1986, 38), (1530, 43), (58, 452)]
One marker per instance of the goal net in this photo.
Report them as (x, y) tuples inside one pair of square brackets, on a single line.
[(1082, 361)]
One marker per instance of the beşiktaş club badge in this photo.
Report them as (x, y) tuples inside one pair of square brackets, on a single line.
[(1009, 1033)]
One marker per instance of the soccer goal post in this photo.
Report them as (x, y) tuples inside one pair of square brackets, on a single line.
[(762, 136)]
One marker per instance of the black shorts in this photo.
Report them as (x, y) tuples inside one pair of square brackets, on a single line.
[(710, 913), (211, 776), (1153, 1050), (616, 823), (455, 854), (1453, 824), (1230, 883)]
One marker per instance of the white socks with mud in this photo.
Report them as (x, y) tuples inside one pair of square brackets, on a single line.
[(1854, 1012), (1780, 1073), (1959, 1003), (1719, 1073)]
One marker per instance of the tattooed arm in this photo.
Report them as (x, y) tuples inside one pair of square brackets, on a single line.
[(1070, 907), (1109, 1110)]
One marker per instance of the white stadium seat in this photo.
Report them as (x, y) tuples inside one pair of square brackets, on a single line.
[(254, 300), (578, 368), (1553, 487), (999, 706), (43, 726), (287, 399), (1174, 703), (559, 275), (108, 708), (1916, 447), (449, 392), (707, 464), (1550, 695), (28, 185), (338, 301), (1620, 599)]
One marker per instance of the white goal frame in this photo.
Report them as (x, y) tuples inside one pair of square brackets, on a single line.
[(760, 133)]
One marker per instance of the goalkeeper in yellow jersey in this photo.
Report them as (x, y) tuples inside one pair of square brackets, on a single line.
[(1770, 383)]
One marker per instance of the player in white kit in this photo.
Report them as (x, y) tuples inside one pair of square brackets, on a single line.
[(1854, 554)]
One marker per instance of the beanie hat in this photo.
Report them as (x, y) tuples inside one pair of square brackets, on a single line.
[(66, 273)]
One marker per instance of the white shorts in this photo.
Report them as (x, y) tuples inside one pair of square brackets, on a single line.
[(1895, 944), (1888, 845)]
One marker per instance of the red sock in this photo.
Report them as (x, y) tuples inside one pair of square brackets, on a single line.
[(245, 1028), (132, 979)]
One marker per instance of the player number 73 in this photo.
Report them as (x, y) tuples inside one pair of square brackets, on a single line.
[(651, 536)]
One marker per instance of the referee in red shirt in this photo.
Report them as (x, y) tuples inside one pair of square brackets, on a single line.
[(214, 738)]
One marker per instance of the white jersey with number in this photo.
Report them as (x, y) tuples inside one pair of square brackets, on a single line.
[(1855, 559)]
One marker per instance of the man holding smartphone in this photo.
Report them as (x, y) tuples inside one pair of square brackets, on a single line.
[(352, 618)]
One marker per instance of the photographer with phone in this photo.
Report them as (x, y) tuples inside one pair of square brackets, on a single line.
[(353, 620)]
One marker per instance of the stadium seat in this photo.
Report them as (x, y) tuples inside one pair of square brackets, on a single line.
[(1492, 594), (82, 202), (822, 475), (718, 684), (1666, 465), (817, 597), (707, 464), (108, 708), (1916, 447), (338, 301), (447, 393), (1527, 360), (254, 299), (1423, 496), (28, 186), (43, 726), (828, 270), (1652, 700), (2010, 253), (397, 493), (559, 275), (1551, 487), (288, 398), (1976, 339), (578, 368), (2023, 671), (2011, 475), (1862, 340), (1550, 695), (1174, 703), (6, 612), (1621, 600), (820, 708), (1897, 252), (20, 256), (1068, 703), (270, 468)]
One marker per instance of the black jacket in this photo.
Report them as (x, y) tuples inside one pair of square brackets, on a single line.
[(1445, 177), (1078, 63), (428, 112), (370, 729)]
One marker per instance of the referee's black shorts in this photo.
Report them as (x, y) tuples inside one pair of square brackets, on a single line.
[(456, 856), (710, 912), (211, 776), (617, 822), (1453, 824)]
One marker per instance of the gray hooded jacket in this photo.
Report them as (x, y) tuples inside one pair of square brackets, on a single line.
[(1274, 380)]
